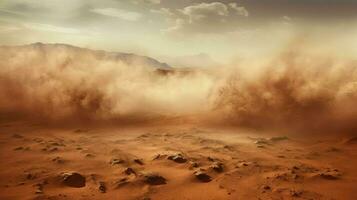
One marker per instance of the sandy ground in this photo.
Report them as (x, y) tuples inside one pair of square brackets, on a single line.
[(170, 163)]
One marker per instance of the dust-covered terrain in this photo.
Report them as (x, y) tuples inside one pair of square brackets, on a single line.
[(82, 124), (172, 162)]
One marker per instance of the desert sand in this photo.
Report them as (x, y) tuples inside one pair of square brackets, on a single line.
[(172, 162)]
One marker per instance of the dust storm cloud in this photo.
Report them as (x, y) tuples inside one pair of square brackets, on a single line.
[(292, 89)]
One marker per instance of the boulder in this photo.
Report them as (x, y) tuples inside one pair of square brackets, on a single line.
[(202, 176), (73, 179)]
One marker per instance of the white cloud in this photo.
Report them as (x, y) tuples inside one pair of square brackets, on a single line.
[(203, 17), (205, 10), (164, 11), (122, 14), (240, 9), (147, 1), (51, 28)]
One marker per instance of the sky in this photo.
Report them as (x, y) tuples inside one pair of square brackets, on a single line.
[(214, 31)]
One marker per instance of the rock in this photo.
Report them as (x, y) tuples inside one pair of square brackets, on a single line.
[(261, 141), (38, 191), (352, 140), (18, 148), (278, 138), (129, 171), (53, 149), (266, 187), (177, 158), (328, 176), (217, 166), (30, 176), (102, 188), (121, 182), (58, 160), (210, 159), (158, 156), (139, 161), (154, 179), (202, 176), (116, 161), (89, 155), (39, 187), (73, 179), (18, 136), (194, 164)]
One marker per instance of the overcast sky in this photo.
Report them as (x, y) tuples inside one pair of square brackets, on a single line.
[(220, 29)]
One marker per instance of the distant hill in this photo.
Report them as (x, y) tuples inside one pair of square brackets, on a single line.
[(67, 53)]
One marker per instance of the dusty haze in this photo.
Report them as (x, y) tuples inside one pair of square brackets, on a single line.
[(301, 85)]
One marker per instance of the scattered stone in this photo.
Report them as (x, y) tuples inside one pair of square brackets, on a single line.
[(73, 179), (158, 156), (329, 176), (52, 149), (333, 149), (295, 193), (38, 140), (122, 181), (89, 155), (129, 171), (352, 140), (266, 187), (217, 166), (278, 138), (179, 158), (39, 188), (154, 179), (202, 176), (116, 161), (194, 164), (139, 161), (30, 176), (261, 141), (102, 188), (18, 136), (58, 160), (210, 159), (18, 148)]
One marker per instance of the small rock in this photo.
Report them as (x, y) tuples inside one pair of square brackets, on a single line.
[(139, 161), (18, 148), (217, 166), (210, 159), (177, 158), (58, 160), (129, 171), (154, 179), (278, 138), (73, 179), (53, 149), (116, 161), (194, 164), (329, 176), (17, 136), (266, 187), (102, 188), (30, 176), (202, 176), (89, 155), (261, 141), (122, 181)]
